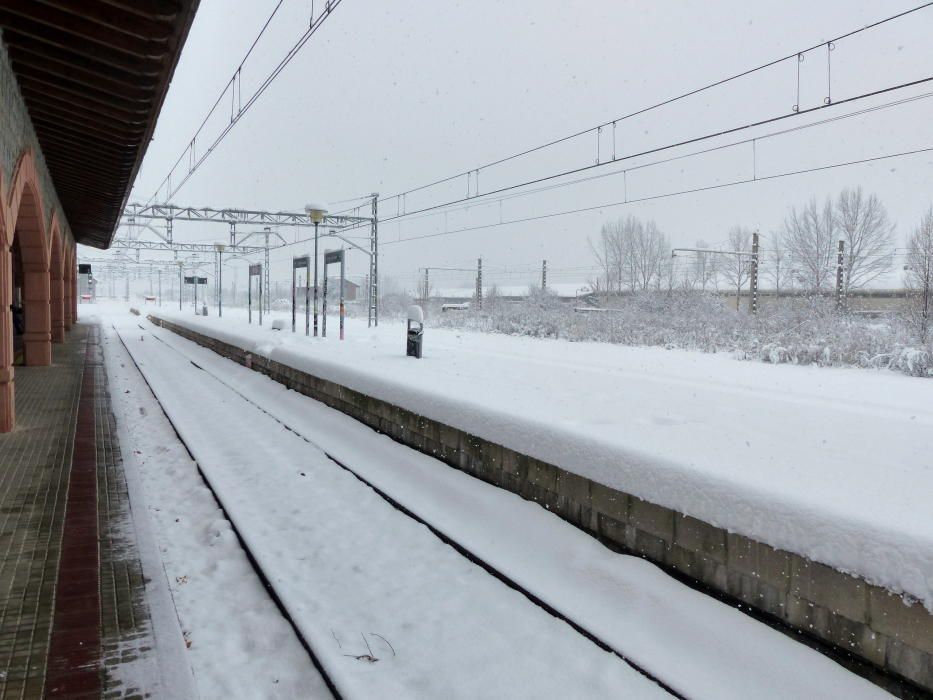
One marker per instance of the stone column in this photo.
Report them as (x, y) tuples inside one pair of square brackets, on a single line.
[(67, 302), (57, 309), (37, 339), (74, 297), (7, 415)]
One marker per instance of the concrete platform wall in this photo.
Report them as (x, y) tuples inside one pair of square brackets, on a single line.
[(871, 623)]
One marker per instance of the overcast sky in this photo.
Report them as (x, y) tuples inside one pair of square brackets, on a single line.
[(391, 95)]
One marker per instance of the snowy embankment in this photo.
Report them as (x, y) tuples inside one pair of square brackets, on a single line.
[(661, 624), (835, 465)]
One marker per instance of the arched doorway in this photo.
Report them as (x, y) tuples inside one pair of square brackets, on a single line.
[(25, 322), (31, 313)]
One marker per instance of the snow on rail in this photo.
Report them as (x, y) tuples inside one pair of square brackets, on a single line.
[(630, 605), (390, 610), (833, 464)]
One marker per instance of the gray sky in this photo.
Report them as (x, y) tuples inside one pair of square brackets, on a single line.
[(391, 95)]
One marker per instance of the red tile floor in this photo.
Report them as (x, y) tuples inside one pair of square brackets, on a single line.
[(72, 592)]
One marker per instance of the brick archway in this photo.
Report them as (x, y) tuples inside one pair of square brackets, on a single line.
[(30, 263), (70, 291), (24, 282), (56, 285)]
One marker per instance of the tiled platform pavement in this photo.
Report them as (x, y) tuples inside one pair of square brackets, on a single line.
[(73, 617)]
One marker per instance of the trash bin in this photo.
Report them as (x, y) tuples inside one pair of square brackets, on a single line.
[(415, 331), (204, 310)]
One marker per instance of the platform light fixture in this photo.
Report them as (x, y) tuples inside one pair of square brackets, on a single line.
[(316, 212)]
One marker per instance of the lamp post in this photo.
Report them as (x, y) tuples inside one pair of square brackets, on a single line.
[(219, 247), (317, 214), (181, 266)]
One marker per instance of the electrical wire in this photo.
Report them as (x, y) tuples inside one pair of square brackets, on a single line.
[(486, 201), (694, 190), (660, 149), (668, 101), (231, 84)]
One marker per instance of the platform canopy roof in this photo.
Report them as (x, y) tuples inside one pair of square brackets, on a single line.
[(94, 75)]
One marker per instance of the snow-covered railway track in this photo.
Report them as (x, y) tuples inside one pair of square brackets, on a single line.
[(635, 681), (697, 646), (257, 569), (462, 549)]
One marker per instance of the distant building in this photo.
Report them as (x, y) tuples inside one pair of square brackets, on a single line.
[(351, 290)]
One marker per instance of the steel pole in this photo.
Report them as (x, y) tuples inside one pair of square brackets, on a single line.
[(220, 279), (341, 293), (307, 302), (315, 279)]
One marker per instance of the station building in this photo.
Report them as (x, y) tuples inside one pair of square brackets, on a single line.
[(81, 86)]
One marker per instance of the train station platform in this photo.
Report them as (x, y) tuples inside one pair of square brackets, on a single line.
[(73, 609)]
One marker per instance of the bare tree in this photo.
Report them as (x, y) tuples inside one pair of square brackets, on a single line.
[(609, 250), (735, 268), (776, 265), (705, 267), (919, 277), (863, 222), (810, 237), (631, 253), (601, 249), (648, 249)]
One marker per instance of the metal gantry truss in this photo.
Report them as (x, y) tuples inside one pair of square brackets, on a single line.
[(140, 215)]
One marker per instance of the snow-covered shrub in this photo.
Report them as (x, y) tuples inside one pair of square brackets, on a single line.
[(799, 330), (913, 361)]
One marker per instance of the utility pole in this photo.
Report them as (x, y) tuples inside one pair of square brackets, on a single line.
[(159, 275), (753, 277), (479, 284), (424, 295), (543, 275), (373, 317), (267, 297), (840, 277), (220, 278)]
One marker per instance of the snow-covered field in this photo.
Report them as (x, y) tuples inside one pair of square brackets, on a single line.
[(833, 464), (350, 568)]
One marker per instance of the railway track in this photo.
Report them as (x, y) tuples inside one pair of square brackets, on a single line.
[(343, 465)]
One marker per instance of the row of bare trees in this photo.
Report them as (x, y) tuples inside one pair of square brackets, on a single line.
[(919, 274), (805, 249), (802, 253), (634, 256)]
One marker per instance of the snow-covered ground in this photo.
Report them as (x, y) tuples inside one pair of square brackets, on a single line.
[(833, 464), (390, 610), (236, 642), (341, 559)]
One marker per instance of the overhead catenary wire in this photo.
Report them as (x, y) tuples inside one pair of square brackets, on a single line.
[(682, 96), (694, 190), (629, 200), (232, 87), (487, 199), (660, 149)]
